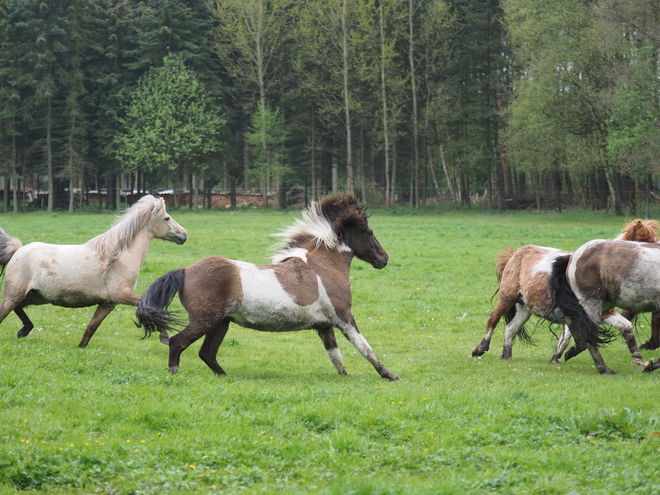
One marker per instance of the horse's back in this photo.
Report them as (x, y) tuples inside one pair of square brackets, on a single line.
[(622, 273)]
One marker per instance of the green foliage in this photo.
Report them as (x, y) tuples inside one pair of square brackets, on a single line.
[(266, 137), (170, 121), (110, 419)]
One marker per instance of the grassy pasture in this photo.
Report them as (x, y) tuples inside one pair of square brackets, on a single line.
[(110, 419)]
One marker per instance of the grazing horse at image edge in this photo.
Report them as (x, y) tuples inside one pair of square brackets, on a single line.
[(306, 287), (603, 274), (524, 290), (102, 272)]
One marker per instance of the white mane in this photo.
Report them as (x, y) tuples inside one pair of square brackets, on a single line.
[(114, 242), (313, 224)]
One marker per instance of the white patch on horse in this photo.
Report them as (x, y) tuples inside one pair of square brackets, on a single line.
[(267, 306), (343, 248), (545, 264), (290, 253)]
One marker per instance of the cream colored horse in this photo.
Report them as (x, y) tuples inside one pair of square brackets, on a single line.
[(102, 272)]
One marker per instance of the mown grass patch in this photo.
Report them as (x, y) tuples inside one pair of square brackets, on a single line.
[(110, 419)]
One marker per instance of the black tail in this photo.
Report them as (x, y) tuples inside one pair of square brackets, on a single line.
[(564, 299), (152, 311)]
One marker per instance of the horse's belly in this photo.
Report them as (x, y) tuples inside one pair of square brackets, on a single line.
[(284, 318), (71, 299)]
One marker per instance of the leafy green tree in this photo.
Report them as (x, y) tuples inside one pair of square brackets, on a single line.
[(270, 160), (171, 125)]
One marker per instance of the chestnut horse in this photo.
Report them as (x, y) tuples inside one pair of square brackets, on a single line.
[(102, 272), (525, 291), (306, 287)]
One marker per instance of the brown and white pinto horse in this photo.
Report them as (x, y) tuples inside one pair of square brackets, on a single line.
[(306, 287), (603, 274), (525, 291)]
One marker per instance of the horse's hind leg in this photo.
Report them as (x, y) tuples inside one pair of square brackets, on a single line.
[(562, 344), (182, 340), (27, 323), (209, 350), (101, 312), (504, 304), (521, 317), (327, 335), (351, 332), (654, 341)]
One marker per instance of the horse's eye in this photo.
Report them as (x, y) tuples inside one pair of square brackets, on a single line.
[(167, 219)]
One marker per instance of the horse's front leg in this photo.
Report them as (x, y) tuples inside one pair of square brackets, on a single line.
[(327, 334), (351, 332), (101, 312)]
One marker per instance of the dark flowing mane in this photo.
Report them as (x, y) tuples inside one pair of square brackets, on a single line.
[(322, 223), (114, 242)]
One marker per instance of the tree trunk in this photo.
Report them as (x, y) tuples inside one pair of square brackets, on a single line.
[(383, 93), (49, 155), (350, 183), (413, 85)]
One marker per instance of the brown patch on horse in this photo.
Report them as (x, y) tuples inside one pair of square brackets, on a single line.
[(296, 279), (641, 231), (593, 266), (218, 276)]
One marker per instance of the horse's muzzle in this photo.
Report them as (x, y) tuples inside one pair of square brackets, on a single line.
[(180, 238), (381, 262)]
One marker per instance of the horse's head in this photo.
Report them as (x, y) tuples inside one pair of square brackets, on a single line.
[(350, 223), (163, 225)]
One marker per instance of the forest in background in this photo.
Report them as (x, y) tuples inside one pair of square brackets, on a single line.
[(508, 104)]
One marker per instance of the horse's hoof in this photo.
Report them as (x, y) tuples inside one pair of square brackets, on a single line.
[(648, 367), (607, 371), (394, 378), (477, 351), (638, 361), (173, 369), (165, 340), (570, 353), (649, 346), (554, 361)]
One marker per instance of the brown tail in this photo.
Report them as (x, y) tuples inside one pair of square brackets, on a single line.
[(502, 259), (8, 246)]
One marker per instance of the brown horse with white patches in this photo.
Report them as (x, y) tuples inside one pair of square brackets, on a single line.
[(525, 291), (306, 287), (603, 274)]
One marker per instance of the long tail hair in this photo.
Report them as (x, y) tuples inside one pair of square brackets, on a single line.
[(564, 299), (8, 246), (151, 312)]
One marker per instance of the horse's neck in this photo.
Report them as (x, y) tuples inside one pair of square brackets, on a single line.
[(137, 252), (331, 258)]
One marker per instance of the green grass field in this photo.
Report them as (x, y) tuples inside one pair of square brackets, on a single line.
[(110, 419)]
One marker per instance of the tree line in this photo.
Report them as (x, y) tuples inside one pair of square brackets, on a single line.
[(509, 103)]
